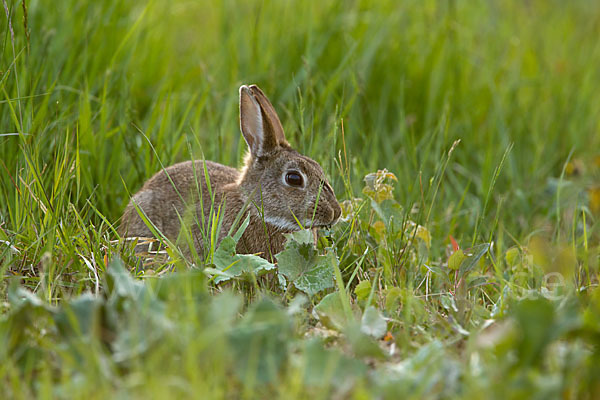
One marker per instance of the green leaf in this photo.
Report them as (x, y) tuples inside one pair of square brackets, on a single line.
[(477, 281), (304, 236), (223, 310), (301, 265), (80, 316), (373, 323), (25, 321), (120, 283), (230, 265), (448, 302), (511, 255), (392, 298), (391, 213), (473, 257), (362, 344), (324, 367), (330, 312), (456, 259), (536, 322), (260, 342), (362, 290), (439, 272)]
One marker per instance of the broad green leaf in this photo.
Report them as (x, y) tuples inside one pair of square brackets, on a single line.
[(223, 310), (28, 316), (304, 236), (330, 312), (133, 314), (536, 320), (373, 323), (120, 283), (308, 271), (229, 264), (80, 316), (363, 345), (456, 259), (362, 290), (260, 342), (193, 279), (324, 367)]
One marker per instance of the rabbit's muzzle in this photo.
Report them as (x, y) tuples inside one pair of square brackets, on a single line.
[(328, 209)]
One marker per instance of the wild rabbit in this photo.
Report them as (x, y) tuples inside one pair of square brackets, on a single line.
[(278, 187)]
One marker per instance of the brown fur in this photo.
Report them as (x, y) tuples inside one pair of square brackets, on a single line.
[(180, 192)]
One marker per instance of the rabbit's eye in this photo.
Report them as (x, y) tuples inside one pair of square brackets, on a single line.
[(294, 179)]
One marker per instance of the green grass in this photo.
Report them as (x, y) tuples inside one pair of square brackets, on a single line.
[(95, 97)]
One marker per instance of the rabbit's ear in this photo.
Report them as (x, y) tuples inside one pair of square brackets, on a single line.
[(261, 127), (270, 115)]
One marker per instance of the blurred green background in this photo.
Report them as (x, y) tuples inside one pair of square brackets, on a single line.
[(107, 81)]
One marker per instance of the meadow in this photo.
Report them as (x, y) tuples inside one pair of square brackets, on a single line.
[(462, 139)]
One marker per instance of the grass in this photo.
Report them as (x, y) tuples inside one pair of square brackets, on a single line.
[(487, 115)]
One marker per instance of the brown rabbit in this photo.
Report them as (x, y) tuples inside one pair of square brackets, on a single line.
[(277, 186)]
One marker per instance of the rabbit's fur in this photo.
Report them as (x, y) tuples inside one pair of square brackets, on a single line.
[(263, 188)]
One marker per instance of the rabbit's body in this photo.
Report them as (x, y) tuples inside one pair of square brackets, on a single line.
[(277, 186), (166, 208)]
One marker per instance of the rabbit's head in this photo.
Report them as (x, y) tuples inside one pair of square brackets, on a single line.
[(289, 190)]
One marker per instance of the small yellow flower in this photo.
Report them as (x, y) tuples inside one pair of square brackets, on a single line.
[(378, 185)]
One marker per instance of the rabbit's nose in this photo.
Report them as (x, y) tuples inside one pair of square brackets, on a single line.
[(335, 206)]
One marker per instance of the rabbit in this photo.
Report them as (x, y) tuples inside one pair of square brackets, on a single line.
[(279, 188)]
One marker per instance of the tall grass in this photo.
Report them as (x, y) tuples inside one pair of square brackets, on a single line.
[(407, 81)]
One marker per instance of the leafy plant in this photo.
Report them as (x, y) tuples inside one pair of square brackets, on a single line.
[(303, 266)]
